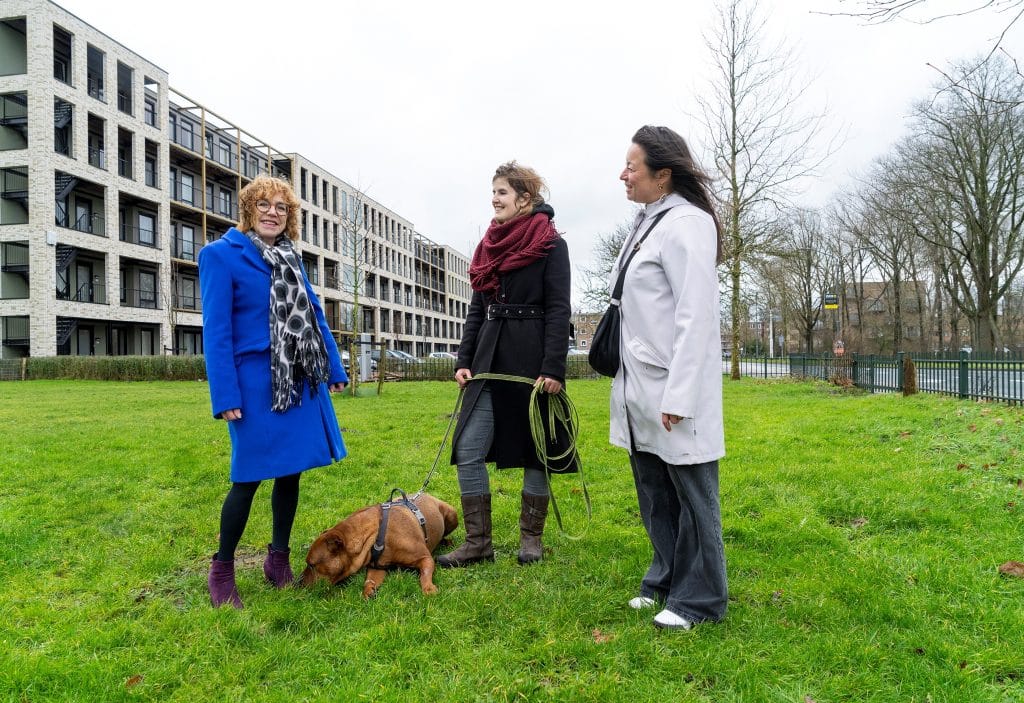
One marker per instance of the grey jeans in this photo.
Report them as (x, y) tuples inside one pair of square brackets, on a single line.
[(680, 509), (474, 443)]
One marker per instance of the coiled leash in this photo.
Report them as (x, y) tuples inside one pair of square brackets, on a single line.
[(560, 411)]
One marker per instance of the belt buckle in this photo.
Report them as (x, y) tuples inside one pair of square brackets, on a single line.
[(490, 312)]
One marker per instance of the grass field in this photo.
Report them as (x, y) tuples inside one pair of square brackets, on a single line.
[(863, 535)]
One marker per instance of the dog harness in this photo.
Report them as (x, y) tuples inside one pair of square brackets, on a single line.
[(385, 509)]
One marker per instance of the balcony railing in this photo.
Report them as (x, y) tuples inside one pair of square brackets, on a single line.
[(186, 249), (188, 302), (183, 137), (95, 86), (88, 292), (97, 157), (223, 208), (331, 280), (145, 236), (90, 224), (124, 168), (183, 193), (124, 101), (137, 298)]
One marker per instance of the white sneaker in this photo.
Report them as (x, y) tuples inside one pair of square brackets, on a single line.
[(668, 620), (641, 602)]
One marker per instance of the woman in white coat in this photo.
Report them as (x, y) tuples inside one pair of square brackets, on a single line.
[(666, 402)]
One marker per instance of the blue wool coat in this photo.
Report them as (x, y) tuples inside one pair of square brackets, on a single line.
[(234, 281)]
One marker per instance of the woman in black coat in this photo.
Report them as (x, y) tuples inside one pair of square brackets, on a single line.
[(518, 324)]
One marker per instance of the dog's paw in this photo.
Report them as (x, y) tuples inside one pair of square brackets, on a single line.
[(430, 590)]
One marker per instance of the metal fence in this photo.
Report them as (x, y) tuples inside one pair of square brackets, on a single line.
[(997, 377)]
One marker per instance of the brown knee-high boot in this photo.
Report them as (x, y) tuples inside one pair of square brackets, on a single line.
[(531, 526), (476, 515)]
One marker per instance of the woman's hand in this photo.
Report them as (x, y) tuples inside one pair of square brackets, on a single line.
[(550, 385), (232, 414), (463, 376), (668, 420), (336, 387)]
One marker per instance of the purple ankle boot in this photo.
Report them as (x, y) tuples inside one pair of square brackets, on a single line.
[(277, 568), (222, 583)]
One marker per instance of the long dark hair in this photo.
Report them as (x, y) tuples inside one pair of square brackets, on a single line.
[(664, 148)]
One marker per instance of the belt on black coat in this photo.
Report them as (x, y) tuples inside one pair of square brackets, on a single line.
[(522, 312)]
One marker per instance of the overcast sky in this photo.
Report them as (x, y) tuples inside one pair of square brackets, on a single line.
[(416, 102)]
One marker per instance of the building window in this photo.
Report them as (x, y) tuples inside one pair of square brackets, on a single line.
[(147, 229), (226, 196), (124, 88), (62, 55), (95, 61), (63, 122), (187, 194)]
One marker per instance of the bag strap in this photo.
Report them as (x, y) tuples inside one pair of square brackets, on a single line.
[(617, 291)]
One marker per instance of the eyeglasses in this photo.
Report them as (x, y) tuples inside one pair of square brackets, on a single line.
[(279, 208)]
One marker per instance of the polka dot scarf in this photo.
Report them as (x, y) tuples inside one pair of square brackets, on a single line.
[(297, 353)]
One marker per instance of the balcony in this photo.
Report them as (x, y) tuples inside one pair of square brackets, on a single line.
[(87, 292), (183, 192), (188, 302), (140, 298), (95, 88), (98, 157), (185, 249), (184, 137), (139, 234)]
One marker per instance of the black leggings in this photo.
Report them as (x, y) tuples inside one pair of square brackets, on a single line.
[(235, 513)]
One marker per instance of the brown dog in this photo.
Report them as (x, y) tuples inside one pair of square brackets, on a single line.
[(345, 548)]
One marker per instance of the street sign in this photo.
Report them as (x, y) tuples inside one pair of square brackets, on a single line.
[(831, 301)]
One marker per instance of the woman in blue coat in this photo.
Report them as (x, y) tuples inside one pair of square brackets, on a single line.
[(271, 363)]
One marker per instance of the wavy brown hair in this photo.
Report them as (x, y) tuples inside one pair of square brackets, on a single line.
[(523, 180), (265, 187)]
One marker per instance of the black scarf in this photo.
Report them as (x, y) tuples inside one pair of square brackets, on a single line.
[(297, 352)]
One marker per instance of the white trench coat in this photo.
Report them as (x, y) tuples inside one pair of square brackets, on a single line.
[(671, 344)]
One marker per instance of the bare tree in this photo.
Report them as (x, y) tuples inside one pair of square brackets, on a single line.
[(595, 276), (927, 11), (809, 268), (880, 218), (762, 144), (969, 155), (356, 242)]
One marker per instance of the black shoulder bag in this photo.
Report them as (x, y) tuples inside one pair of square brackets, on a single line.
[(604, 347)]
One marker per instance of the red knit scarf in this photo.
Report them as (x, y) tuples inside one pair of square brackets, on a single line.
[(509, 246)]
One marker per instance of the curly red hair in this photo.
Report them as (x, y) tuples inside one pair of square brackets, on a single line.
[(265, 187)]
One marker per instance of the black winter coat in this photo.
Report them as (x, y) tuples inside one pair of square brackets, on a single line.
[(520, 347)]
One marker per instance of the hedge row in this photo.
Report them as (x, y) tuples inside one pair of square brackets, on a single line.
[(117, 368), (192, 368)]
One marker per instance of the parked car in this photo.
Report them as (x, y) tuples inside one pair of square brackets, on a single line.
[(394, 356), (573, 351), (442, 355)]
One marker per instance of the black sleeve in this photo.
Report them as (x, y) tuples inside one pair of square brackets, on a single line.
[(470, 330), (557, 310)]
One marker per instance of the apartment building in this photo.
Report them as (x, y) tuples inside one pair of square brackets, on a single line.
[(111, 181)]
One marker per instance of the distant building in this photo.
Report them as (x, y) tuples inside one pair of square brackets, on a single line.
[(584, 325), (111, 181)]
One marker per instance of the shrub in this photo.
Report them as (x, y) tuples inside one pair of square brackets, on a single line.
[(118, 368)]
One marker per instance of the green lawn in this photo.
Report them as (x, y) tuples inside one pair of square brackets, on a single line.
[(863, 535)]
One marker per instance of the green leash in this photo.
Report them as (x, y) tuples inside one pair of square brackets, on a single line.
[(560, 411)]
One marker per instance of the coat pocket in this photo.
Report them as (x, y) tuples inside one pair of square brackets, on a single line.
[(646, 354)]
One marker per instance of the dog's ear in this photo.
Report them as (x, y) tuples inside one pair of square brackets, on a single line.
[(334, 544), (354, 539)]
